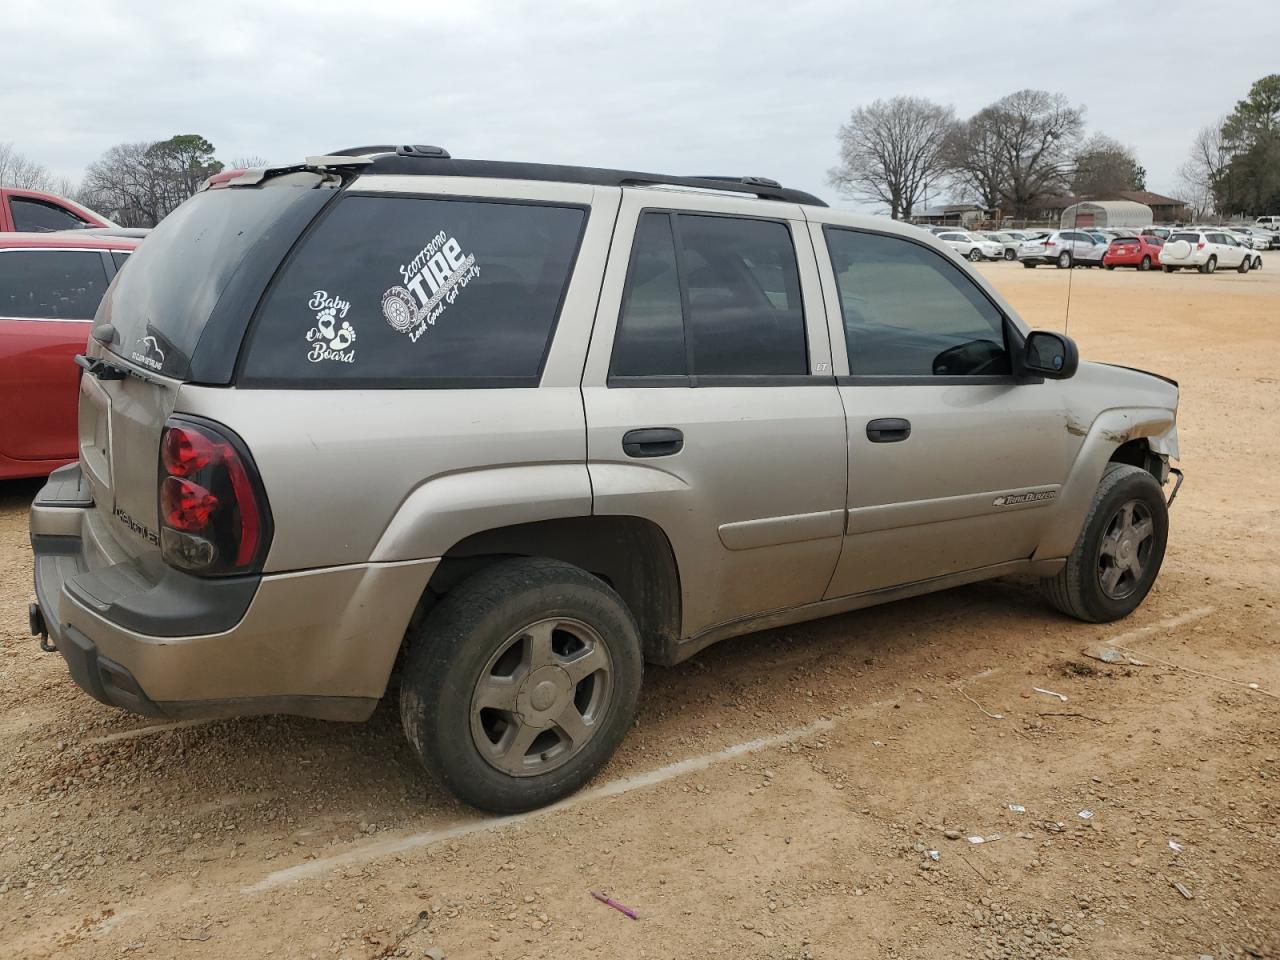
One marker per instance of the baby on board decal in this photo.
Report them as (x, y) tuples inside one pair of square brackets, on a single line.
[(328, 340)]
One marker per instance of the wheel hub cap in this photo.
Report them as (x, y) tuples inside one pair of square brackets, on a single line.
[(543, 695)]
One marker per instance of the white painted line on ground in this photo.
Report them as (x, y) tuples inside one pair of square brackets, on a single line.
[(414, 841), (1160, 626), (146, 731)]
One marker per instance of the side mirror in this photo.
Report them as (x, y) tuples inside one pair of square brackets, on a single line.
[(1051, 355)]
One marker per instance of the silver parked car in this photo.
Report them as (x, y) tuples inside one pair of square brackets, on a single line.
[(1065, 249), (494, 435)]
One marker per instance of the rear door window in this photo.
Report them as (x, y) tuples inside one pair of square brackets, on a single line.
[(51, 284), (417, 292), (711, 296)]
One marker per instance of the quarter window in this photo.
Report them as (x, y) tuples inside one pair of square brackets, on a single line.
[(711, 296), (909, 312), (417, 291), (51, 284)]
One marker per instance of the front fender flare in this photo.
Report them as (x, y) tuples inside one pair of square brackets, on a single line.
[(1108, 432)]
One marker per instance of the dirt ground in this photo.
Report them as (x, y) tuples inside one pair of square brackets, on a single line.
[(284, 838)]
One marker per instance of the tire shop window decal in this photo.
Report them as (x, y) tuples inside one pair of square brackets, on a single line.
[(432, 281)]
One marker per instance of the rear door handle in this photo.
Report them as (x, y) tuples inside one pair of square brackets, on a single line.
[(652, 442), (888, 430)]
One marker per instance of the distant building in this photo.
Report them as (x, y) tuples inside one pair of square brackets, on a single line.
[(952, 214), (1164, 209)]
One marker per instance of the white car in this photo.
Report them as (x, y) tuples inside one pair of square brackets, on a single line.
[(1253, 238), (972, 246), (1207, 251), (1008, 240), (1064, 249)]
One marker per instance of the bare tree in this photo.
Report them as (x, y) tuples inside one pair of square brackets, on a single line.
[(138, 184), (1105, 167), (1199, 173), (1020, 148), (248, 162), (16, 170), (891, 152)]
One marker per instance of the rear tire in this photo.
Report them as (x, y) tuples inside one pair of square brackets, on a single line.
[(1170, 269), (1110, 266), (975, 255), (1145, 264), (1119, 551), (1211, 265), (1257, 263), (1064, 261), (520, 684), (1028, 264)]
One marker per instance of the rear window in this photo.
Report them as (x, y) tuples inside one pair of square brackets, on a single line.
[(1189, 237), (417, 292), (160, 305), (51, 284)]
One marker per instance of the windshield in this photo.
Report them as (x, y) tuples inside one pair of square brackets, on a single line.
[(160, 305)]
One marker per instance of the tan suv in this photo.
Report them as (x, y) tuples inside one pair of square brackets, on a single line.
[(519, 428)]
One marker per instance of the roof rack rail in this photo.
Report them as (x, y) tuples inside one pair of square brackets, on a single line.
[(419, 160), (403, 150)]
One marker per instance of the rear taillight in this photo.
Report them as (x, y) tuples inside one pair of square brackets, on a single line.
[(213, 512), (1200, 245), (1050, 243)]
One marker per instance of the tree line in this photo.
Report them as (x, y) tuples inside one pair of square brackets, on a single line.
[(1030, 147), (1234, 163), (134, 184), (1009, 156)]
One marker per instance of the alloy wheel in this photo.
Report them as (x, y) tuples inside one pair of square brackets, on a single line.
[(542, 696), (1125, 549)]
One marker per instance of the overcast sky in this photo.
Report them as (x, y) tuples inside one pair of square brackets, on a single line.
[(743, 87)]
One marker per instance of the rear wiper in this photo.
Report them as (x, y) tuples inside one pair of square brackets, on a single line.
[(102, 369)]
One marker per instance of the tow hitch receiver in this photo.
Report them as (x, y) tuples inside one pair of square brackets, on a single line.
[(35, 620)]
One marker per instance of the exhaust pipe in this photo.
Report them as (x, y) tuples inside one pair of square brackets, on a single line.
[(35, 620)]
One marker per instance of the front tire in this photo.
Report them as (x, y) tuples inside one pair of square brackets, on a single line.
[(1010, 255), (1245, 264), (1119, 551), (520, 684)]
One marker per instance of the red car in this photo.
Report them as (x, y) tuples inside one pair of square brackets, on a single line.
[(1141, 252), (50, 285), (34, 211)]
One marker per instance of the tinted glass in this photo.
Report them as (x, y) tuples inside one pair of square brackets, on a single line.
[(745, 315), (910, 312), (650, 337), (389, 291), (51, 284), (119, 257), (36, 216), (1192, 238), (174, 280)]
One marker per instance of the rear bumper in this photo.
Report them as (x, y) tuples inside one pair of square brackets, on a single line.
[(142, 637)]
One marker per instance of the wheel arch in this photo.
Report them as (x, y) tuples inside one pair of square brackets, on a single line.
[(632, 554), (1144, 437)]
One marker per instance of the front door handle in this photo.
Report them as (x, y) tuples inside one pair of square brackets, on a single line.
[(888, 430), (652, 442)]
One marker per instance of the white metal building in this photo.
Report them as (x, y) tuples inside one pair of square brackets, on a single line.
[(1107, 213)]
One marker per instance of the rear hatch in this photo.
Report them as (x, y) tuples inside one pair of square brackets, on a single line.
[(176, 316)]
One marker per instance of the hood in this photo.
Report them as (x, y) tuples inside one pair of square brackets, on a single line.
[(1148, 373)]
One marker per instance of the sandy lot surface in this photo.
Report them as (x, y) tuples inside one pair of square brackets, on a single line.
[(289, 838)]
